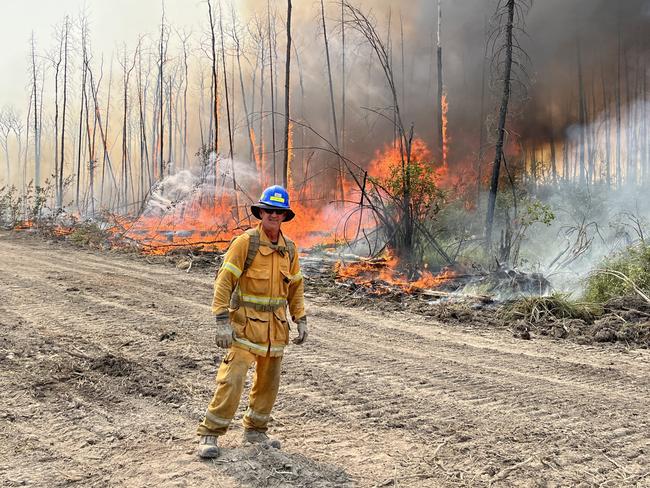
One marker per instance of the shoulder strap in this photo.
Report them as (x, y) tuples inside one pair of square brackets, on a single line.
[(253, 246), (291, 248)]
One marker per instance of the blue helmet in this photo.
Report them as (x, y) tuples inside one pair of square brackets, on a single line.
[(274, 198)]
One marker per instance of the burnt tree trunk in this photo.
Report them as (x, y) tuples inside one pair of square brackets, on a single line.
[(287, 74), (332, 104), (273, 85), (439, 115), (501, 129), (66, 36)]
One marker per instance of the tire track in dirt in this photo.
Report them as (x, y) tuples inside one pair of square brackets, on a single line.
[(454, 389), (95, 348), (369, 400)]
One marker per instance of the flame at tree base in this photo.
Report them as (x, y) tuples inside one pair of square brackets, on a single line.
[(386, 269)]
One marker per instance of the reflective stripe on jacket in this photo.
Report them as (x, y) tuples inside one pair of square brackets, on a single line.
[(257, 298)]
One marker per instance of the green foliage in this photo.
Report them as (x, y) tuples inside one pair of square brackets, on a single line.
[(419, 180), (633, 263), (18, 208), (89, 234), (530, 211), (557, 306), (535, 212), (10, 205)]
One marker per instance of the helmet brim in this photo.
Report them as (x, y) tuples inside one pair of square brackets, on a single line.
[(255, 210)]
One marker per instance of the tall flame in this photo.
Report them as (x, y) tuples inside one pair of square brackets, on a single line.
[(445, 136)]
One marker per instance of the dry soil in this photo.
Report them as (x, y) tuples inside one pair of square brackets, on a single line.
[(107, 363)]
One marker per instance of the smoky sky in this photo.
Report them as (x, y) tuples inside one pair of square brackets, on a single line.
[(610, 36), (605, 33)]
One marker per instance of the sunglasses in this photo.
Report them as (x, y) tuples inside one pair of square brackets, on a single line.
[(274, 211)]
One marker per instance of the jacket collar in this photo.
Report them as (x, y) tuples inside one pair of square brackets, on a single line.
[(264, 237)]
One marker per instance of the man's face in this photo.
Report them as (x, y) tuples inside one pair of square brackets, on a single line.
[(271, 219)]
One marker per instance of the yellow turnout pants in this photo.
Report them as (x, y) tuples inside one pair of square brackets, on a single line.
[(230, 385)]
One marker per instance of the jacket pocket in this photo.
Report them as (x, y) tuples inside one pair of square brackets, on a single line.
[(257, 326), (280, 331), (256, 282)]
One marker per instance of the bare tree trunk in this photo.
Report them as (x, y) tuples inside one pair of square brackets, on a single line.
[(401, 38), (552, 143), (630, 173), (230, 137), (170, 137), (144, 154), (503, 112), (440, 86), (342, 149), (106, 161), (619, 176), (262, 158), (161, 60), (339, 176), (37, 145), (81, 111), (225, 84), (608, 130), (186, 79), (268, 12), (249, 130), (66, 34), (582, 114), (285, 163), (57, 65), (125, 93), (481, 143), (644, 128)]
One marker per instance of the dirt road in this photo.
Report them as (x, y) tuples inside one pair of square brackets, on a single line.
[(107, 364)]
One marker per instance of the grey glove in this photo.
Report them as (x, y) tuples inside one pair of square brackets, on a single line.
[(224, 334), (303, 331)]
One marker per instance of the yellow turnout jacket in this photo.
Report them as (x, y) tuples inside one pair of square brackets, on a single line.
[(256, 298)]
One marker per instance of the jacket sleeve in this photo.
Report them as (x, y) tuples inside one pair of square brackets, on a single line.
[(296, 296), (228, 275)]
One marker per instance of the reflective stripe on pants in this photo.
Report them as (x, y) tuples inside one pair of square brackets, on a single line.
[(231, 378)]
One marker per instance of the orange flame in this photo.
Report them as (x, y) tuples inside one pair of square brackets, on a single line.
[(386, 269), (445, 136)]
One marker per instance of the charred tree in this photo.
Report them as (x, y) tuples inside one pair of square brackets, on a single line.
[(247, 115), (273, 85), (226, 93), (332, 104), (608, 142), (84, 72), (37, 132), (619, 176), (287, 73), (342, 140), (582, 113), (503, 61), (126, 75), (439, 115), (66, 38)]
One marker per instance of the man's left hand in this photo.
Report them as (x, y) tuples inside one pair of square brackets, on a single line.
[(303, 331)]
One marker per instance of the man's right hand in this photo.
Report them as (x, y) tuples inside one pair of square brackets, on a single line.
[(224, 334)]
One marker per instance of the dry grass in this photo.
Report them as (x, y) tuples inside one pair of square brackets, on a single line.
[(557, 306)]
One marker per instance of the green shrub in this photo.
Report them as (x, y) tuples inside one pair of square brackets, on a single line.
[(554, 307), (618, 275), (88, 234)]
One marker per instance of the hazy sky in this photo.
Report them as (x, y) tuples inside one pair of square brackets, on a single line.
[(112, 23)]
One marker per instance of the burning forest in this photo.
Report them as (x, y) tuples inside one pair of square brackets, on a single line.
[(402, 137), (427, 221)]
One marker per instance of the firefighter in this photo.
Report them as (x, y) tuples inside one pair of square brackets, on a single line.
[(258, 281)]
